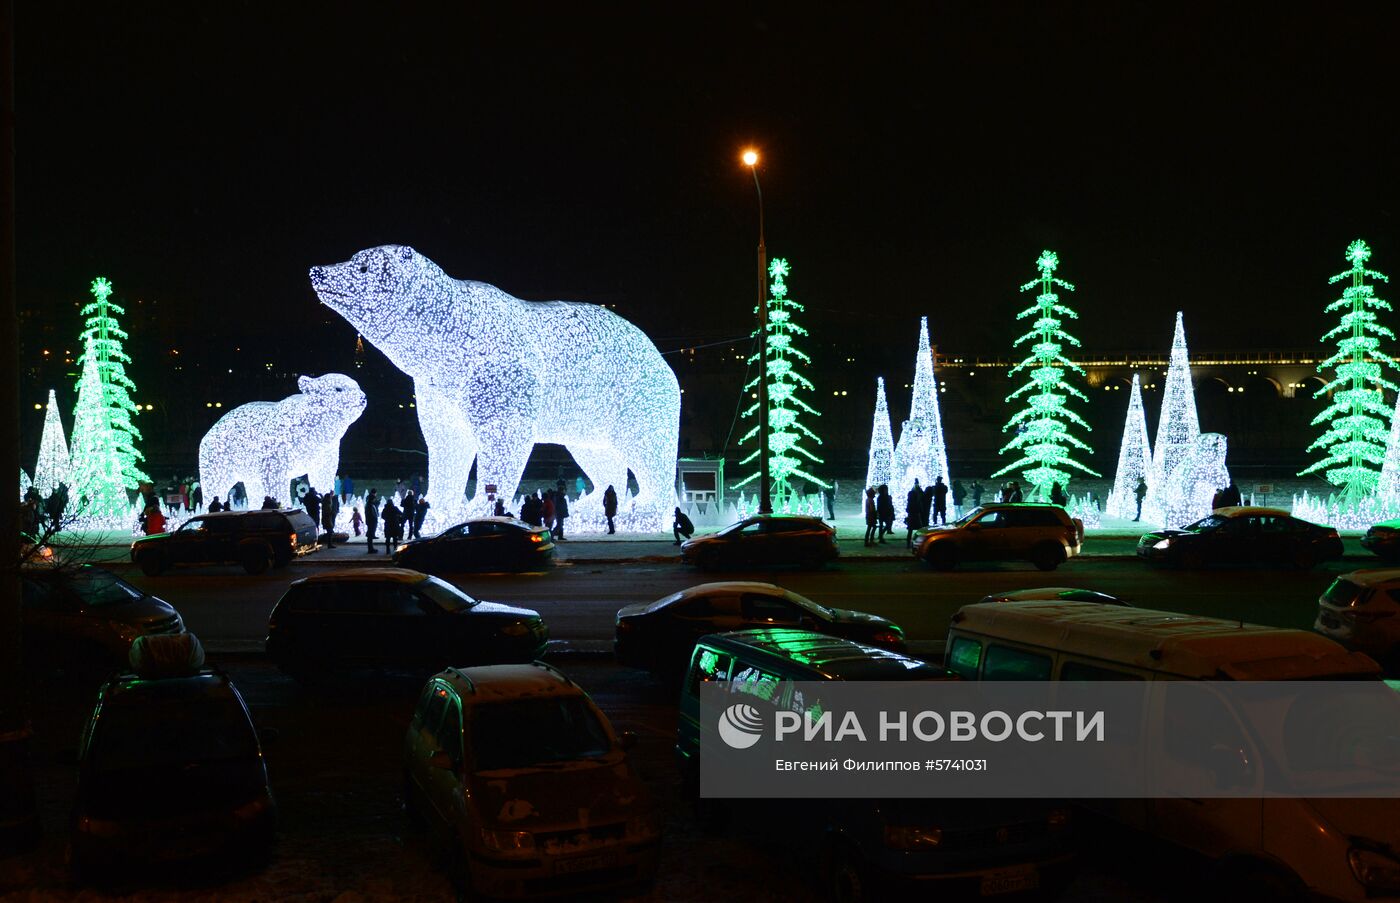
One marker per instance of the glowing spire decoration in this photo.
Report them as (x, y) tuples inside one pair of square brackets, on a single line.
[(53, 466), (880, 469), (102, 337), (1354, 442), (921, 453), (1043, 437), (96, 494), (1134, 459), (786, 432), (1177, 426)]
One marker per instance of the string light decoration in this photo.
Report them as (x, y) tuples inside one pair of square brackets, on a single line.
[(921, 453), (880, 469), (1354, 442), (102, 335), (1388, 484), (1177, 425), (53, 466), (1043, 437), (97, 496), (493, 375), (266, 444), (24, 483), (1189, 489), (1134, 459), (786, 431)]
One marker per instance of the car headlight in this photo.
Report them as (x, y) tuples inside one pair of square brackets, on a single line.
[(905, 837), (508, 843), (518, 628), (1374, 869), (1162, 544)]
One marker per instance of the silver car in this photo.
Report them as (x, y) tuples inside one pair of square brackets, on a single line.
[(1361, 610)]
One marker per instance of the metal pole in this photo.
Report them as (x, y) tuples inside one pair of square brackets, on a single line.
[(765, 498)]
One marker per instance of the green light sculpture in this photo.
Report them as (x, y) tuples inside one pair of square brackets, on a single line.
[(102, 338), (1357, 417), (786, 431), (1043, 438), (97, 497)]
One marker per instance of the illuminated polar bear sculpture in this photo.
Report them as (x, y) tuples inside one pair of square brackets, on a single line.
[(265, 444), (494, 375)]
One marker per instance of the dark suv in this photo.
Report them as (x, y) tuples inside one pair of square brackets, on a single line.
[(255, 539)]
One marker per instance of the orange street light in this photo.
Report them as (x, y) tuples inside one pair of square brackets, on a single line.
[(750, 157)]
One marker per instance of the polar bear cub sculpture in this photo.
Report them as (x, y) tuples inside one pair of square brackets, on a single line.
[(265, 444), (494, 374)]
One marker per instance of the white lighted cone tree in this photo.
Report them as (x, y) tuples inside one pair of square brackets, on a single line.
[(97, 496), (103, 336), (1356, 415), (786, 432), (53, 466), (921, 453), (1178, 425), (880, 467), (1134, 459), (1043, 438)]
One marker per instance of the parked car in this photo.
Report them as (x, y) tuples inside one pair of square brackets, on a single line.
[(524, 779), (87, 617), (1242, 536), (764, 540), (255, 539), (1383, 540), (1361, 610), (483, 544), (870, 849), (390, 617), (170, 769), (1044, 535), (660, 635), (1055, 593)]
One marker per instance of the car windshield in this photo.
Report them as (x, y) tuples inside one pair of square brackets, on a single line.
[(98, 588), (807, 604), (175, 731), (969, 517), (1342, 593), (534, 732), (1209, 522), (445, 595), (733, 528)]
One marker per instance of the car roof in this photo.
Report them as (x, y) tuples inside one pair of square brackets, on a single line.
[(497, 683), (727, 587), (1370, 577), (1021, 505), (1185, 645), (1048, 592), (831, 657), (251, 511), (498, 520), (1250, 510), (807, 517), (384, 575), (132, 689)]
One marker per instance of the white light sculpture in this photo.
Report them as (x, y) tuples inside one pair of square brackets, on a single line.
[(1173, 494), (1134, 459), (880, 468), (53, 466), (265, 444), (494, 375), (1192, 485), (921, 453), (24, 483)]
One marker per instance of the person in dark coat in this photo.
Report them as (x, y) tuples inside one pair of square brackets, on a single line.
[(610, 507), (1013, 491), (408, 507), (1140, 493), (959, 494), (681, 526), (393, 526), (1057, 495), (270, 503), (884, 508), (215, 507), (500, 509), (55, 504), (547, 510), (312, 503), (939, 491), (561, 512), (872, 517), (330, 507), (529, 510), (928, 506), (913, 513), (418, 515), (197, 496), (371, 517), (976, 493), (1232, 496)]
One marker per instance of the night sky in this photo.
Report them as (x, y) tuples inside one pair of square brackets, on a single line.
[(916, 159)]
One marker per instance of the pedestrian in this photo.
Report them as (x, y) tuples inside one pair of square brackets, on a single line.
[(547, 509), (1057, 495), (831, 500), (419, 515), (197, 496), (371, 517), (339, 486), (500, 509), (393, 526), (153, 521), (871, 516), (1219, 500), (408, 509), (1140, 493), (939, 491), (976, 494), (610, 507), (884, 507), (29, 519), (959, 495), (55, 505), (185, 495), (561, 513), (913, 513), (1013, 490), (214, 506), (329, 509), (927, 511), (530, 510), (270, 503), (681, 526), (1232, 495), (400, 487), (356, 522), (417, 486)]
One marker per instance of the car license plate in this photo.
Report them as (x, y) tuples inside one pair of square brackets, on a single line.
[(1007, 881), (584, 863)]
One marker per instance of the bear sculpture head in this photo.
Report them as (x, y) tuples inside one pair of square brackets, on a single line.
[(392, 295), (336, 397)]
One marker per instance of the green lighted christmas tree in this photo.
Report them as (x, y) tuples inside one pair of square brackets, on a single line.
[(102, 337), (1357, 417), (97, 497), (1043, 437), (785, 431)]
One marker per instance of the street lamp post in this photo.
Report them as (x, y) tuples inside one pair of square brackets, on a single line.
[(765, 498)]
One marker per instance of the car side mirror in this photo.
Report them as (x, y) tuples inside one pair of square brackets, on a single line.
[(441, 760), (627, 739)]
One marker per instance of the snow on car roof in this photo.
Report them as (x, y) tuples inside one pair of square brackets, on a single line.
[(1250, 510), (395, 575), (1370, 577), (495, 683)]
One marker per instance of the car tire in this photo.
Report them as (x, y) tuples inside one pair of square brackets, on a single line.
[(941, 557), (848, 877), (152, 564), (255, 558), (1047, 557)]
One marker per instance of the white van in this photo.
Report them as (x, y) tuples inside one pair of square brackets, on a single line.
[(1288, 848)]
